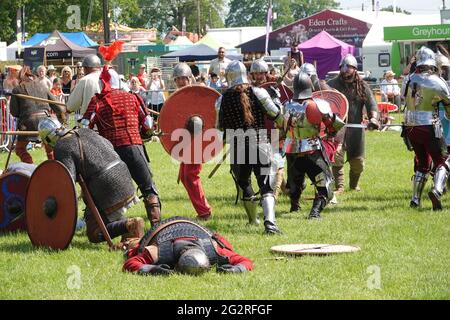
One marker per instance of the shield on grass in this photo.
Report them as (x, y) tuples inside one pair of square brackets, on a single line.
[(314, 249)]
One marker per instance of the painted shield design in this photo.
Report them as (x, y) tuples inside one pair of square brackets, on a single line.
[(13, 189)]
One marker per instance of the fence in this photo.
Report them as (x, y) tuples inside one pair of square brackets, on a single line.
[(7, 124)]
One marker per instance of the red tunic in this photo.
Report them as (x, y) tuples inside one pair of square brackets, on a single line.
[(136, 261), (118, 116)]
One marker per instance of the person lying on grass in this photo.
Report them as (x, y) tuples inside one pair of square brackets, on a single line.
[(182, 245)]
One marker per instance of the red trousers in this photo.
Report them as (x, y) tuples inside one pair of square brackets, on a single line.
[(190, 177), (22, 153), (428, 150)]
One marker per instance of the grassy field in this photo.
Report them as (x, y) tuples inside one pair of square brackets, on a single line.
[(405, 253)]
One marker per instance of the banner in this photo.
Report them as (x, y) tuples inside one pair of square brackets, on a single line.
[(268, 27)]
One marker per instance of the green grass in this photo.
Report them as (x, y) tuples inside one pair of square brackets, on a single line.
[(410, 247)]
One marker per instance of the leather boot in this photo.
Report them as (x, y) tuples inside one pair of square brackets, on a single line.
[(318, 205), (354, 179), (268, 205), (295, 204), (439, 179), (419, 181), (338, 173), (153, 208), (251, 208)]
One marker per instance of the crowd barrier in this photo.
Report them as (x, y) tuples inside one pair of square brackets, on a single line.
[(7, 124)]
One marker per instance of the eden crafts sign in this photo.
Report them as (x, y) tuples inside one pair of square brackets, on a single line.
[(438, 31)]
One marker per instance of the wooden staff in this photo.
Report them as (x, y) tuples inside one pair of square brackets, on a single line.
[(219, 164), (94, 210), (20, 133), (24, 96)]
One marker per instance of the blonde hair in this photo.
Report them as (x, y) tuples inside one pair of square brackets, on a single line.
[(67, 68)]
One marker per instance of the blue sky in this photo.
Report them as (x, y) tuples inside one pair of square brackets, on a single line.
[(414, 6)]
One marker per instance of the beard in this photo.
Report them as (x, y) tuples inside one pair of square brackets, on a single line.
[(348, 77)]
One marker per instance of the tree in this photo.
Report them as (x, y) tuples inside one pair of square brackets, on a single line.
[(253, 13), (303, 8), (162, 14), (54, 14), (398, 9)]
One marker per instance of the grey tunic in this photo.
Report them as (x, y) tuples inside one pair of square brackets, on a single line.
[(29, 112), (354, 137)]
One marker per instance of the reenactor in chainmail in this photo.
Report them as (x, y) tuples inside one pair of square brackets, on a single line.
[(182, 245), (241, 113), (89, 155)]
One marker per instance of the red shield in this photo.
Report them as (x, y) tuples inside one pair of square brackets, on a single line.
[(386, 107), (51, 206), (184, 113), (285, 93), (13, 189), (338, 102)]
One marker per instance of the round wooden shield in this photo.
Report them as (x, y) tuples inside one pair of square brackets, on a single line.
[(338, 102), (387, 107), (314, 249), (285, 92), (13, 190), (184, 113), (51, 206)]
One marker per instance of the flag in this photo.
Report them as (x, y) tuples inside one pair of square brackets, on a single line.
[(268, 26)]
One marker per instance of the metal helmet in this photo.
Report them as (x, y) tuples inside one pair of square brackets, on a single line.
[(302, 86), (91, 61), (442, 60), (193, 261), (236, 74), (259, 66), (425, 57), (50, 130), (309, 69), (349, 60), (182, 70)]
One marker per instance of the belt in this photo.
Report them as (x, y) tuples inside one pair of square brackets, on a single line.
[(118, 205)]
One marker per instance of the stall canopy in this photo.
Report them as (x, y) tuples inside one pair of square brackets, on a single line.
[(199, 52), (325, 51), (79, 38), (59, 47)]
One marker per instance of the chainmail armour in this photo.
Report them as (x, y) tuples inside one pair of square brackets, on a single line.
[(166, 235), (232, 116), (106, 176)]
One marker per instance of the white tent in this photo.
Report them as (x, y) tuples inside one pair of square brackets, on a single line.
[(11, 51)]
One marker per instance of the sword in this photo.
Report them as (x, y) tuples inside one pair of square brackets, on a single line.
[(364, 126), (20, 133), (24, 96)]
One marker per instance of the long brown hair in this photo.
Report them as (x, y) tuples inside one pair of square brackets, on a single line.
[(357, 86), (245, 103), (25, 74)]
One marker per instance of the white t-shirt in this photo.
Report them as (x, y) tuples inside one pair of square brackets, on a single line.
[(156, 97), (388, 87), (85, 89), (217, 67)]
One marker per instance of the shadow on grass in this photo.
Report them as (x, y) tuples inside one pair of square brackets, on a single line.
[(25, 245)]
